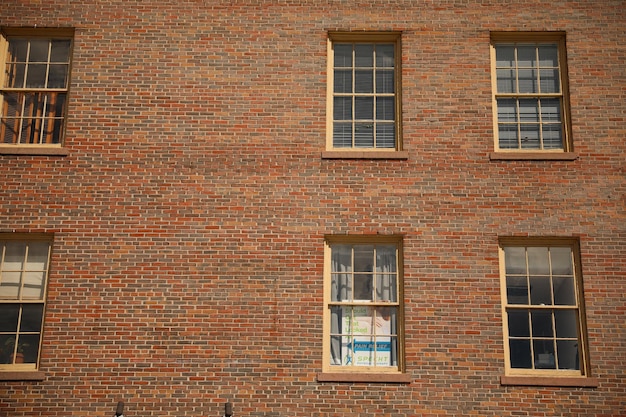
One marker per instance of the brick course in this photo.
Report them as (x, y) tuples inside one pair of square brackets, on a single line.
[(189, 216)]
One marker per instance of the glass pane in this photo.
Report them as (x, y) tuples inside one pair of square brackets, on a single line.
[(527, 80), (530, 136), (57, 76), (505, 56), (519, 325), (38, 51), (564, 291), (550, 110), (364, 135), (33, 285), (363, 287), (364, 258), (520, 353), (544, 354), (566, 324), (385, 135), (341, 258), (552, 136), (336, 350), (7, 342), (60, 50), (342, 135), (506, 81), (385, 108), (364, 108), (386, 258), (343, 81), (18, 48), (363, 55), (9, 314), (548, 56), (363, 351), (515, 260), (385, 82), (28, 345), (343, 54), (516, 290), (540, 293), (507, 110), (385, 55), (529, 111), (526, 56), (36, 76), (538, 263), (32, 315), (386, 289), (37, 256), (507, 136), (567, 350), (14, 255), (549, 81), (10, 285), (364, 81), (542, 323), (342, 108), (15, 74)]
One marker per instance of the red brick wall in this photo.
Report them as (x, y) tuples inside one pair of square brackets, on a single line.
[(189, 215)]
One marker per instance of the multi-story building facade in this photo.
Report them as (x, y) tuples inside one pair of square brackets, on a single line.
[(314, 208)]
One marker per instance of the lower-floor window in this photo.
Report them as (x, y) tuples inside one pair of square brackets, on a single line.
[(363, 309), (543, 312), (23, 279)]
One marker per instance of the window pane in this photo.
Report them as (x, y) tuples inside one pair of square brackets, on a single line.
[(507, 110), (60, 51), (538, 263), (38, 51), (552, 136), (364, 108), (515, 260), (18, 49), (385, 82), (529, 111), (385, 109), (505, 56), (526, 56), (364, 135), (363, 55), (36, 76), (569, 357), (541, 323), (385, 135), (33, 285), (364, 81), (527, 80), (363, 258), (520, 353), (550, 110), (566, 323), (506, 81), (386, 288), (10, 285), (549, 81), (385, 55), (548, 56), (9, 314), (57, 76), (15, 74), (507, 136), (516, 290), (342, 108), (32, 315), (564, 291), (540, 293), (343, 54), (342, 135), (544, 354), (28, 345), (37, 256), (519, 324), (343, 81), (363, 287)]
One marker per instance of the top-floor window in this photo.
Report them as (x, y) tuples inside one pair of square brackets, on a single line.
[(364, 100), (34, 86), (531, 111)]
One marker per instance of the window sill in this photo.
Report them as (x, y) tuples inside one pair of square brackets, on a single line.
[(22, 376), (533, 156), (364, 377), (547, 381), (365, 155), (33, 150)]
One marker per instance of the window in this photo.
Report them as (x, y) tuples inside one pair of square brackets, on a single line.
[(23, 279), (34, 85), (543, 313), (363, 309), (531, 111), (363, 87)]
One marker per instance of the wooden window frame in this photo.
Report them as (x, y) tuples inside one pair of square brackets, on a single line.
[(396, 152), (557, 377), (536, 38), (39, 148), (341, 373), (16, 370)]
